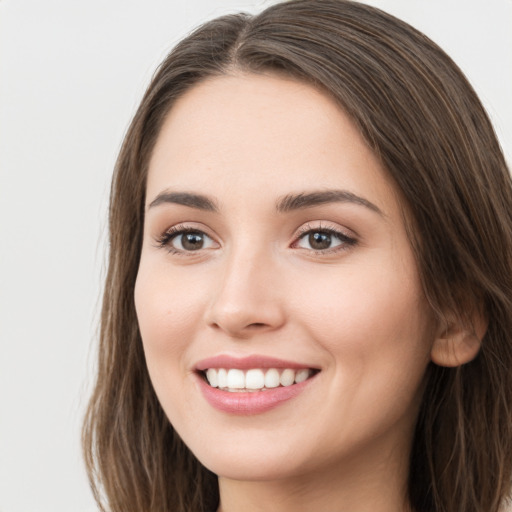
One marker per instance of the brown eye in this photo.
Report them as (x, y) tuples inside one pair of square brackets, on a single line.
[(191, 241), (319, 240), (188, 241), (324, 240)]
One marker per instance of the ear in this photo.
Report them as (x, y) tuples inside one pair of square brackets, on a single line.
[(458, 341)]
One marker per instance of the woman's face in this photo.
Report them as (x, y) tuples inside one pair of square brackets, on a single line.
[(274, 249)]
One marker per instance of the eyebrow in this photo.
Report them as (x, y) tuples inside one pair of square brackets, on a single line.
[(305, 200), (198, 201), (288, 203)]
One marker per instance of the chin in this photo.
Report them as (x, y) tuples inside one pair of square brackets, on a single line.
[(248, 458), (258, 468)]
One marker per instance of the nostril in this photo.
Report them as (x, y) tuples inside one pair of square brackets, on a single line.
[(256, 325)]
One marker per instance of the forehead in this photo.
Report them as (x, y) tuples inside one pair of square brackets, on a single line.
[(266, 133)]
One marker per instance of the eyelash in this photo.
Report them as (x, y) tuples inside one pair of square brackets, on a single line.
[(346, 241), (164, 240)]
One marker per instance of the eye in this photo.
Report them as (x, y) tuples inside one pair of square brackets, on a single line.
[(323, 240), (191, 241), (182, 240)]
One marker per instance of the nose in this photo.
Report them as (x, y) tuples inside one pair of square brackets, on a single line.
[(248, 298)]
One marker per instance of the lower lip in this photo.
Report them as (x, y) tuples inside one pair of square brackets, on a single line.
[(255, 402)]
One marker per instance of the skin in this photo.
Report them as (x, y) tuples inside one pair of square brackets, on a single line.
[(355, 311)]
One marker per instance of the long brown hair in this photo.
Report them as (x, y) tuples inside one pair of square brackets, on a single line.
[(418, 113)]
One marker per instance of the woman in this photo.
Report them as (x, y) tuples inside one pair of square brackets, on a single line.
[(308, 302)]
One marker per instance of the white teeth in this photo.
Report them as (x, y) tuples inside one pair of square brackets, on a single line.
[(222, 378), (301, 376), (272, 378), (236, 379), (211, 375), (254, 379), (287, 377)]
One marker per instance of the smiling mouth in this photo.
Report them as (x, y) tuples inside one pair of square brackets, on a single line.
[(255, 379)]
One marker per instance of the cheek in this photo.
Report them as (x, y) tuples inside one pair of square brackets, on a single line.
[(374, 327), (374, 323), (168, 311), (372, 299)]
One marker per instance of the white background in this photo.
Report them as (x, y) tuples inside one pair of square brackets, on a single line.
[(71, 75)]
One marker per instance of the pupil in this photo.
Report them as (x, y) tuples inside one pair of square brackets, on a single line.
[(320, 240), (192, 241)]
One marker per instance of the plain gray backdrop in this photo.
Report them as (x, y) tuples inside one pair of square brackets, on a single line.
[(71, 75)]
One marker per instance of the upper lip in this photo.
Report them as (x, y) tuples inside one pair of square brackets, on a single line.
[(247, 362)]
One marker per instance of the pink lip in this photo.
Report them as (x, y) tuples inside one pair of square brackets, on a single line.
[(252, 402), (246, 363)]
